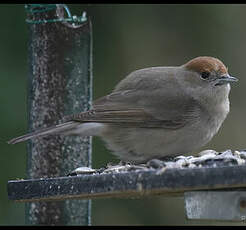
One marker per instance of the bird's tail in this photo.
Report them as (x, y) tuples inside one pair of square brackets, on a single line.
[(45, 131)]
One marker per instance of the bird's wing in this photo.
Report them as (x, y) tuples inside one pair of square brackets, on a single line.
[(130, 108)]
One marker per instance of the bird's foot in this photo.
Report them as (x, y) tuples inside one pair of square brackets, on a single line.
[(155, 163)]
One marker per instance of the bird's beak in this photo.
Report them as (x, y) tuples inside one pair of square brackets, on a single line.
[(225, 79)]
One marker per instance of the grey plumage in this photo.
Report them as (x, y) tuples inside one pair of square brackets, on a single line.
[(155, 112)]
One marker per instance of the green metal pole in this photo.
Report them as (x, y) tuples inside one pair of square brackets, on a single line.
[(60, 83)]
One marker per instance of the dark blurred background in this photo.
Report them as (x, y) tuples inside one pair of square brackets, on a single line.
[(125, 38)]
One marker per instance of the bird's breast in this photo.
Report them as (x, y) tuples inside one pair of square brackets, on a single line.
[(215, 116)]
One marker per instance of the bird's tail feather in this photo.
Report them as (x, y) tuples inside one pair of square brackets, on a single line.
[(45, 131)]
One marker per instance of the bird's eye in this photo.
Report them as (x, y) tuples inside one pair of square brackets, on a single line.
[(205, 75)]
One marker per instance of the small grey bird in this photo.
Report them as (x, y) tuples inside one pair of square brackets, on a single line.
[(155, 112)]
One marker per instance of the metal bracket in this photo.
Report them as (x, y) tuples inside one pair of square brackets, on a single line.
[(216, 205)]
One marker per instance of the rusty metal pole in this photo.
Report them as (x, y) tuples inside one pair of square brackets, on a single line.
[(60, 83)]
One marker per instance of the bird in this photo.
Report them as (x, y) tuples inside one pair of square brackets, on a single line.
[(155, 112)]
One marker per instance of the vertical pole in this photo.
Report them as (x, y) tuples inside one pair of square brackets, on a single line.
[(60, 83)]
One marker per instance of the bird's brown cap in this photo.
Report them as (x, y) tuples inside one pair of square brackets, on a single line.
[(206, 64)]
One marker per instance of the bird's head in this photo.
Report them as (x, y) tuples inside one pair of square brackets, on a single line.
[(209, 70)]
